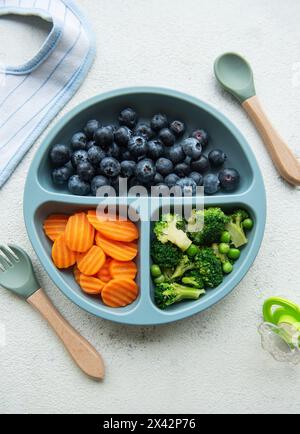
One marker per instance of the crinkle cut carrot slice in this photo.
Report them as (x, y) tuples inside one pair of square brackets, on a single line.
[(80, 233), (104, 273), (55, 225), (118, 230), (120, 270), (77, 273), (91, 285), (92, 261), (62, 256), (120, 292), (117, 250)]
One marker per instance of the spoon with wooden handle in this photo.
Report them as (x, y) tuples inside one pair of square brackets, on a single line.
[(17, 275), (235, 75)]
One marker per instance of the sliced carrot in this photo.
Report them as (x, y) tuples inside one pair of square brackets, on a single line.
[(91, 285), (79, 256), (92, 261), (62, 256), (119, 270), (120, 251), (117, 230), (119, 292), (77, 274), (55, 225), (79, 233), (104, 273)]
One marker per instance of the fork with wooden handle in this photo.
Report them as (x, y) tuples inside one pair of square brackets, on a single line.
[(17, 275)]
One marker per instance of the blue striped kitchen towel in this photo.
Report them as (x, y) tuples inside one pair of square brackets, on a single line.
[(32, 94)]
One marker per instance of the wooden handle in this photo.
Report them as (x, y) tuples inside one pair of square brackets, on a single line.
[(79, 348), (283, 158)]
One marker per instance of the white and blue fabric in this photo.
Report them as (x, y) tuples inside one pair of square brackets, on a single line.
[(31, 95)]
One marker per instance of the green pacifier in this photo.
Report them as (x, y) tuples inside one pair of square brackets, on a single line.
[(280, 333)]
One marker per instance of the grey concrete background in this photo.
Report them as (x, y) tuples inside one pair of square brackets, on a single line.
[(213, 362)]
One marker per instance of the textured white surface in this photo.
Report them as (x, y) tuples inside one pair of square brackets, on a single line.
[(213, 362)]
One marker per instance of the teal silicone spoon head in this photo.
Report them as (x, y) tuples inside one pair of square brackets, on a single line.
[(235, 75), (16, 272)]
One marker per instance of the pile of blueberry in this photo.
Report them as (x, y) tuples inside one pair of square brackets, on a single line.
[(146, 154)]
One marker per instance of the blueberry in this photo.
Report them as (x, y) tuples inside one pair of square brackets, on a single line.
[(171, 180), (155, 149), (159, 122), (98, 182), (113, 151), (229, 179), (78, 187), (61, 175), (122, 136), (176, 154), (197, 177), (138, 146), (178, 128), (164, 166), (158, 179), (217, 158), (90, 144), (115, 184), (86, 171), (60, 155), (201, 136), (96, 155), (128, 117), (201, 165), (182, 170), (211, 184), (110, 167), (145, 131), (79, 141), (125, 155), (128, 168), (188, 186), (192, 148), (167, 137), (79, 157), (91, 127), (104, 136), (145, 171)]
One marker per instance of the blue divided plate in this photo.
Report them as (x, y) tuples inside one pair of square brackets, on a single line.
[(41, 198)]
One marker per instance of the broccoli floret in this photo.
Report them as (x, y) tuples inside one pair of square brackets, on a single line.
[(184, 265), (165, 255), (214, 224), (193, 279), (235, 228), (223, 258), (167, 294), (209, 267), (169, 229)]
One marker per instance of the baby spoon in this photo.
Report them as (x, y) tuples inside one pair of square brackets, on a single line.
[(17, 275), (235, 75)]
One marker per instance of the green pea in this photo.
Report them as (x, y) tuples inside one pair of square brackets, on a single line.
[(224, 248), (225, 237), (160, 279), (248, 224), (193, 250), (155, 271), (234, 254), (227, 268)]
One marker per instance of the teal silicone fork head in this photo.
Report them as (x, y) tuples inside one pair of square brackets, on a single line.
[(16, 272), (234, 73)]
